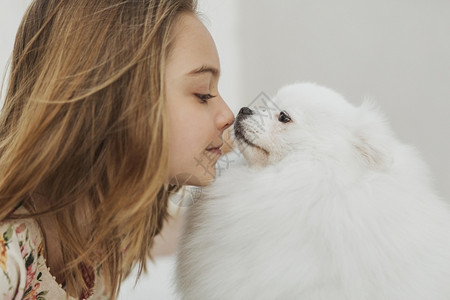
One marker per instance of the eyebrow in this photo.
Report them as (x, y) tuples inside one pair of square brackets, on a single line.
[(205, 69)]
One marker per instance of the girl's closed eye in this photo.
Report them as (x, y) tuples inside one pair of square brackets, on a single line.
[(204, 97)]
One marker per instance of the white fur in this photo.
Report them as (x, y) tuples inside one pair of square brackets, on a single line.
[(339, 209)]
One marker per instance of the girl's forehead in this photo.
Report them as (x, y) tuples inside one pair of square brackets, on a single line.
[(193, 46)]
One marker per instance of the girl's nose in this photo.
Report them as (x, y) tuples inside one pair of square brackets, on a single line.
[(226, 117)]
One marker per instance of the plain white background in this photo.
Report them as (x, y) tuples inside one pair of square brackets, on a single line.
[(396, 52)]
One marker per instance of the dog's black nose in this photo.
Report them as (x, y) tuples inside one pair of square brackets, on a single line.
[(246, 111)]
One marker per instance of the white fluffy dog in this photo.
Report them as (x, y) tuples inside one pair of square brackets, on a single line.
[(331, 207)]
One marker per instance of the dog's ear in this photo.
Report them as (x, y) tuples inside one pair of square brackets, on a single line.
[(373, 138)]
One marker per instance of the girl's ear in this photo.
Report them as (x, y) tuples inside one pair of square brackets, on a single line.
[(373, 138)]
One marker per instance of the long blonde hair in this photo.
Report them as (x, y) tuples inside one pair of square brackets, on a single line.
[(83, 126)]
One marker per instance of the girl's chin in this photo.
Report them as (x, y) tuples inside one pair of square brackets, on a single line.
[(205, 179), (198, 178)]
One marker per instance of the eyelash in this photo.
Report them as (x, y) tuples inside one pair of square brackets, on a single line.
[(204, 97)]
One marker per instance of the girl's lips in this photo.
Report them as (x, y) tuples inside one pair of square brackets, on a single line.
[(215, 150)]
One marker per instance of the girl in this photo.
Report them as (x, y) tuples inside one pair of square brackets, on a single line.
[(110, 105)]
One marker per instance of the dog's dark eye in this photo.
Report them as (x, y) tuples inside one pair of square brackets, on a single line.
[(284, 117)]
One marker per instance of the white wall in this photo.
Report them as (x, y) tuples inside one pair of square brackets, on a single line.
[(397, 52), (11, 12)]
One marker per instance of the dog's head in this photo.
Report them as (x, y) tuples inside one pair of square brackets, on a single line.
[(308, 121)]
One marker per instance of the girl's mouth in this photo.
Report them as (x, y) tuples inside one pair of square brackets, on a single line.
[(215, 150)]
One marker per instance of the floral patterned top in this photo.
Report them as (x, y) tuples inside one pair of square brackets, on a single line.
[(23, 270)]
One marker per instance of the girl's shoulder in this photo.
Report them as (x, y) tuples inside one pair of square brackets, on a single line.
[(23, 270), (21, 260)]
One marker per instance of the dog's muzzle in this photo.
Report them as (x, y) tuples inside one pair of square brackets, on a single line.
[(239, 128), (244, 113)]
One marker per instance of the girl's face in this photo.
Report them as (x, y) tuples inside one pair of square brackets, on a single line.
[(197, 114)]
